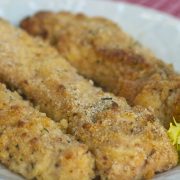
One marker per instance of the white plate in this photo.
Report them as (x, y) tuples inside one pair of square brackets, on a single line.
[(158, 31)]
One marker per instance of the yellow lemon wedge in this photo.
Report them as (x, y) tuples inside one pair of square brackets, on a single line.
[(174, 134)]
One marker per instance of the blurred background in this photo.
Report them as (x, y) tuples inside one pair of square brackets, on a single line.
[(168, 6)]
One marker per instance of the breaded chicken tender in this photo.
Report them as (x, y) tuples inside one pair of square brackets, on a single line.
[(127, 143), (101, 51), (34, 146)]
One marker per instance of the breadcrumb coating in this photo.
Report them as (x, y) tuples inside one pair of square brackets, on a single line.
[(127, 143), (101, 51), (34, 146)]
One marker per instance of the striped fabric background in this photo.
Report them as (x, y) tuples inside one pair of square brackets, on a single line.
[(169, 6)]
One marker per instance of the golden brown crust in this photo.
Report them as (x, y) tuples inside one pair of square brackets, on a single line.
[(33, 145), (101, 51), (127, 143)]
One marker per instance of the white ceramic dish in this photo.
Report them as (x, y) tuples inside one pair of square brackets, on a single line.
[(158, 31)]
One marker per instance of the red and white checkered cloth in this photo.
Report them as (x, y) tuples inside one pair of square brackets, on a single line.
[(169, 6)]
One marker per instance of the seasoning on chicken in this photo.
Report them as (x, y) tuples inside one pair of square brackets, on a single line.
[(34, 146), (101, 51), (127, 143)]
